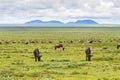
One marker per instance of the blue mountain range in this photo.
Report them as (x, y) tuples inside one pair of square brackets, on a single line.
[(44, 22), (83, 22), (59, 22)]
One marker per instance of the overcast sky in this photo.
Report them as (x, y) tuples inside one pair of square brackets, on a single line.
[(20, 11)]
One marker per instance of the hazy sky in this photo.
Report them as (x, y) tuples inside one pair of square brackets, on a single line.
[(20, 11)]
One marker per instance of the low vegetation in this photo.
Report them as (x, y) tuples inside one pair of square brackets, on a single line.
[(17, 61)]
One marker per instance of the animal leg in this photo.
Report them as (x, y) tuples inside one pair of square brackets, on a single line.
[(86, 58), (89, 58), (39, 58)]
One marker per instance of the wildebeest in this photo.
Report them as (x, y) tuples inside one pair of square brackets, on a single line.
[(99, 41), (0, 42), (105, 47), (59, 46), (118, 46), (70, 41), (110, 40), (7, 42), (37, 54), (49, 41), (13, 42), (81, 41), (43, 41), (88, 54), (26, 43), (31, 41), (90, 41)]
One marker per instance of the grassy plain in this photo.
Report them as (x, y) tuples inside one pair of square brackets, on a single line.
[(17, 60)]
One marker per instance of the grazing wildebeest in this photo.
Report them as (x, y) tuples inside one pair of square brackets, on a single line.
[(33, 42), (60, 41), (111, 40), (105, 47), (99, 41), (0, 42), (59, 46), (118, 46), (43, 41), (90, 41), (13, 42), (81, 41), (70, 41), (88, 54), (26, 43), (49, 41), (37, 55), (7, 42)]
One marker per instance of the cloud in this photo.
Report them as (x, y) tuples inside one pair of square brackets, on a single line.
[(20, 11)]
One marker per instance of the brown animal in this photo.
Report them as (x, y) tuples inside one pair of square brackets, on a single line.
[(43, 41), (31, 41), (0, 42), (88, 54), (118, 46), (99, 41), (90, 41), (7, 42), (26, 43), (37, 54), (60, 41), (81, 41), (13, 42), (59, 46), (49, 41), (70, 41)]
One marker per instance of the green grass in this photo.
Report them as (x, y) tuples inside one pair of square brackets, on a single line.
[(17, 60)]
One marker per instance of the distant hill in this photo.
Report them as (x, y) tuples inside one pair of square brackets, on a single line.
[(44, 22), (83, 22), (59, 22)]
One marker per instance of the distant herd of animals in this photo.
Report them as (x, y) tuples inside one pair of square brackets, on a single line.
[(59, 46), (51, 41)]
